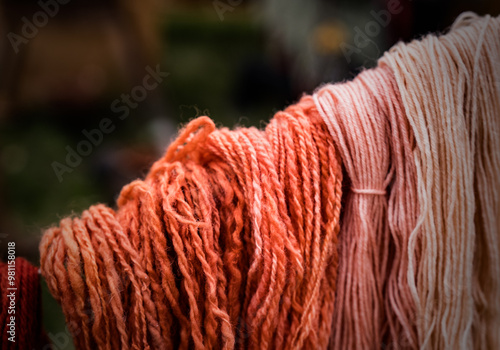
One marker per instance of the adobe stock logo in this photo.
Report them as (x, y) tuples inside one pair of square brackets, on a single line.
[(30, 28), (363, 38), (222, 7), (121, 106)]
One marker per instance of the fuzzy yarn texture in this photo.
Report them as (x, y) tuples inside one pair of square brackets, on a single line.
[(230, 241), (365, 216), (450, 88), (26, 305), (367, 122)]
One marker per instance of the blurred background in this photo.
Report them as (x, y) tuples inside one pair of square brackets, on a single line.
[(92, 92)]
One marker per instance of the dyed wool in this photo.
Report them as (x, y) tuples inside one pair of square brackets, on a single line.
[(450, 87), (366, 120), (235, 239), (229, 242), (20, 306)]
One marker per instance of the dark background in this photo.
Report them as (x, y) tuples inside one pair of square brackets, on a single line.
[(63, 64)]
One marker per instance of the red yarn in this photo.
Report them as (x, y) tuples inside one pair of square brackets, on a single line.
[(27, 305)]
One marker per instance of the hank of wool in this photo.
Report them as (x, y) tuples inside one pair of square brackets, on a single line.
[(422, 236), (229, 242), (367, 122), (450, 89), (21, 299)]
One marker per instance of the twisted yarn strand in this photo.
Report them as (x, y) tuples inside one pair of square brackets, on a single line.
[(229, 242)]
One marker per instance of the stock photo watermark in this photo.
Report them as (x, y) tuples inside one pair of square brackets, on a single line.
[(30, 27), (11, 292), (121, 107), (61, 340), (364, 36), (223, 6)]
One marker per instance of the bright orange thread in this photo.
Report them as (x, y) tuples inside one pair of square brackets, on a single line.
[(229, 242)]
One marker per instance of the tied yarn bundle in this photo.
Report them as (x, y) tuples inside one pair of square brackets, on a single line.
[(229, 242), (379, 213), (365, 216)]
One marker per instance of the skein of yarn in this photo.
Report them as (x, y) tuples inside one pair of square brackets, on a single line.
[(229, 242), (237, 239), (380, 210), (451, 96), (21, 299)]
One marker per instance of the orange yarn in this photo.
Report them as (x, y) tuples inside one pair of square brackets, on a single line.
[(229, 242), (231, 239)]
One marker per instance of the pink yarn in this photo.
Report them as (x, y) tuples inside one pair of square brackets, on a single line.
[(367, 123)]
